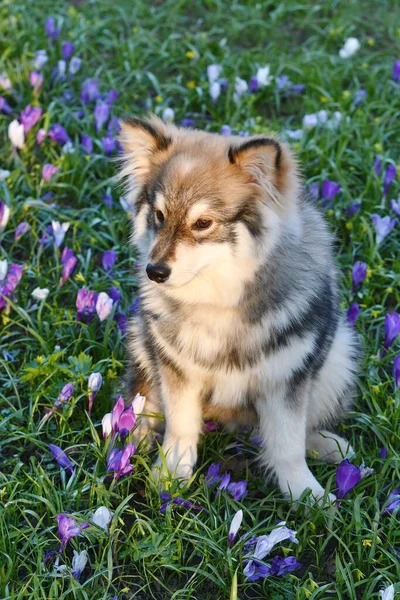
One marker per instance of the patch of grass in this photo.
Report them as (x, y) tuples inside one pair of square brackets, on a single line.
[(156, 55)]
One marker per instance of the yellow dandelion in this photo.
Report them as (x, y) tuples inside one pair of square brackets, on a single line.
[(158, 98), (191, 85), (191, 54), (40, 360), (323, 99)]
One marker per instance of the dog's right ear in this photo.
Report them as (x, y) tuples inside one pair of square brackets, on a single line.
[(142, 140)]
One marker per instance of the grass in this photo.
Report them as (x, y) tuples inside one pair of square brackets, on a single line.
[(156, 55)]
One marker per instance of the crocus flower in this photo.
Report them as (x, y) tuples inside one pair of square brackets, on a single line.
[(68, 528), (395, 206), (253, 85), (95, 383), (138, 404), (69, 262), (238, 490), (104, 306), (213, 474), (168, 115), (119, 461), (187, 122), (21, 229), (358, 273), (213, 72), (7, 288), (64, 396), (310, 121), (109, 144), (90, 91), (115, 295), (52, 31), (108, 259), (5, 82), (383, 453), (79, 562), (350, 47), (30, 116), (16, 134), (74, 65), (215, 90), (61, 70), (101, 114), (67, 50), (36, 80), (188, 504), (226, 130), (396, 370), (393, 502), (123, 420), (106, 424), (353, 209), (48, 171), (61, 458), (263, 77), (264, 544), (40, 136), (347, 477), (59, 230), (4, 215), (387, 593), (241, 88), (85, 304), (359, 97), (383, 226), (4, 106), (330, 189), (87, 144), (396, 71), (102, 517), (41, 59), (3, 269), (352, 313), (58, 134), (40, 293), (111, 97), (377, 165), (234, 528), (390, 174), (392, 328), (107, 199)]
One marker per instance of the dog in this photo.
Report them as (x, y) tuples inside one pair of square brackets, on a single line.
[(239, 317)]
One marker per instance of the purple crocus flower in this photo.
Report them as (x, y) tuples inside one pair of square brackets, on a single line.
[(213, 474), (111, 97), (395, 206), (40, 136), (383, 453), (281, 565), (238, 490), (123, 420), (329, 190), (353, 209), (68, 528), (67, 50), (392, 328), (119, 461), (87, 144), (74, 65), (359, 96), (113, 126), (101, 114), (48, 170), (85, 304), (396, 370), (107, 199), (396, 71), (52, 31), (61, 457), (393, 502), (377, 165), (108, 260), (226, 130), (21, 229), (58, 134), (109, 144), (13, 278), (4, 107), (65, 395), (178, 501), (390, 174), (383, 226), (347, 477), (115, 295), (69, 262), (36, 80), (253, 85), (30, 116), (352, 313), (263, 545), (187, 122), (90, 91), (122, 322), (358, 274)]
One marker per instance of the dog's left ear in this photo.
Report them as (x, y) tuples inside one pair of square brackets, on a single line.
[(263, 159), (142, 141)]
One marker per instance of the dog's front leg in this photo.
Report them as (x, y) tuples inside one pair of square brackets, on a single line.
[(283, 431), (183, 420)]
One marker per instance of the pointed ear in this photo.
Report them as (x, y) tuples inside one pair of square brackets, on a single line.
[(142, 140)]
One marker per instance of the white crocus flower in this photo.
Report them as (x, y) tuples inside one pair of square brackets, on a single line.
[(138, 404), (168, 115), (3, 269), (241, 88), (263, 77), (213, 72), (40, 293), (388, 593), (16, 134), (215, 90), (234, 528), (350, 47), (59, 232), (79, 561), (102, 517)]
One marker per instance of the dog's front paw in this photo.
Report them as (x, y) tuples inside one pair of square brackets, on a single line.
[(171, 466)]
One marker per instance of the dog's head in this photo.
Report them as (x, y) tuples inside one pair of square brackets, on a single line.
[(204, 205)]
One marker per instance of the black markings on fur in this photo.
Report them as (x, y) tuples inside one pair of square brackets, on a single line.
[(235, 151), (162, 142), (250, 217)]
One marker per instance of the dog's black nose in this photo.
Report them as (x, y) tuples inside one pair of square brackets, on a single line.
[(158, 272)]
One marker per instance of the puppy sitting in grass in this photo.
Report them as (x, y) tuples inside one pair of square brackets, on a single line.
[(239, 318)]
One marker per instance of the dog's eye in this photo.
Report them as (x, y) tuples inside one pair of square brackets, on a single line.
[(160, 216), (202, 224)]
